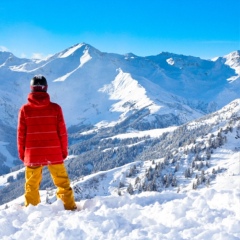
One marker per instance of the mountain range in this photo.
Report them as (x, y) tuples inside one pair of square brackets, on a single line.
[(104, 95), (95, 87)]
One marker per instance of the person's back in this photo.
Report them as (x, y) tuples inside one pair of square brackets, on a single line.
[(46, 136), (42, 140)]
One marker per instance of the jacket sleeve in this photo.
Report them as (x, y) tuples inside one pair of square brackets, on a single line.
[(21, 134), (62, 133)]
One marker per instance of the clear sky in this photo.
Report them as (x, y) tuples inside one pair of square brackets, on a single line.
[(202, 28)]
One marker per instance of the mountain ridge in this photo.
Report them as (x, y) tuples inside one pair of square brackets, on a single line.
[(100, 90), (178, 159)]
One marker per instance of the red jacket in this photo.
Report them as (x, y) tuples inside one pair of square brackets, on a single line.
[(41, 134)]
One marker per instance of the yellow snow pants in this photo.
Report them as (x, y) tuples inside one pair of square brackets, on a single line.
[(33, 177)]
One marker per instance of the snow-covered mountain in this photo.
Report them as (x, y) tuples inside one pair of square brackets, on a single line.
[(151, 199), (96, 87), (144, 134), (106, 93)]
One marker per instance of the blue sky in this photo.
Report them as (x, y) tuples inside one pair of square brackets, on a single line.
[(203, 28)]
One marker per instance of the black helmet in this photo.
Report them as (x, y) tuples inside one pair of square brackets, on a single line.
[(38, 84)]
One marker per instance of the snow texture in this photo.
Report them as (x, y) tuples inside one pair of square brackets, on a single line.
[(211, 212), (104, 89)]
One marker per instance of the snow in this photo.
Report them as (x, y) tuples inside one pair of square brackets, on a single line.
[(3, 179), (204, 214), (85, 58), (170, 61), (70, 51), (128, 91), (5, 152), (64, 77), (82, 74), (207, 213), (211, 212), (233, 60), (154, 133)]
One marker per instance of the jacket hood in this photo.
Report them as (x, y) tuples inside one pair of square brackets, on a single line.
[(39, 99)]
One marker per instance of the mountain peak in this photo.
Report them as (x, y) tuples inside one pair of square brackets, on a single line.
[(233, 54), (4, 55), (233, 61), (71, 50), (77, 49)]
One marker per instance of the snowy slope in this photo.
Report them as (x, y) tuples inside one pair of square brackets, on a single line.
[(97, 89), (102, 89), (160, 102), (233, 60), (212, 211), (80, 79)]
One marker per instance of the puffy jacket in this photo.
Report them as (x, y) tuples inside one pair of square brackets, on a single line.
[(41, 134)]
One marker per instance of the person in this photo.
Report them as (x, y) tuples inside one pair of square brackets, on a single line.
[(42, 141)]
